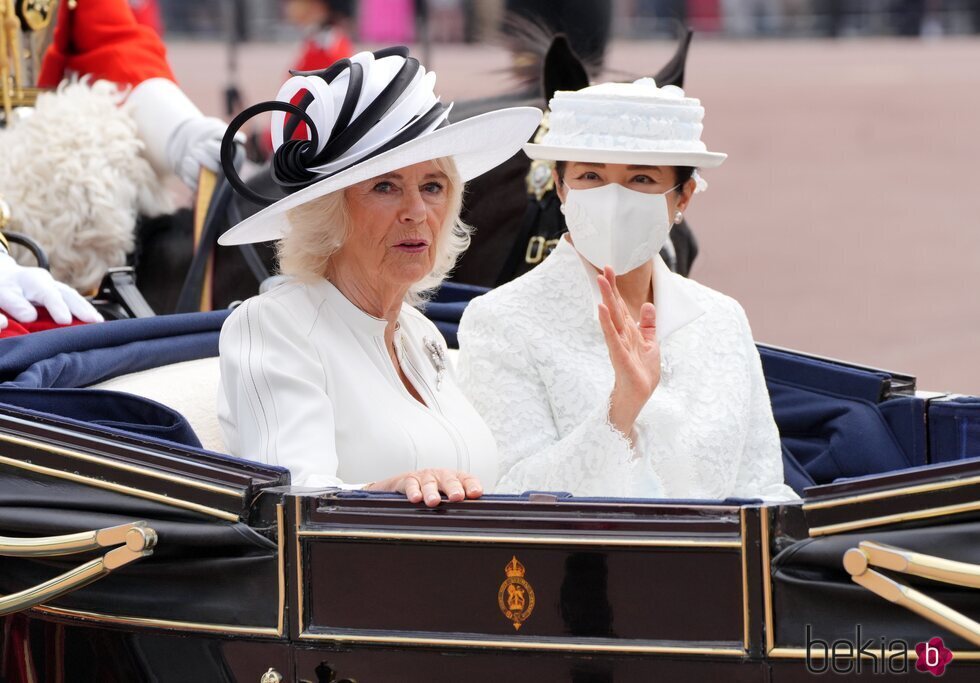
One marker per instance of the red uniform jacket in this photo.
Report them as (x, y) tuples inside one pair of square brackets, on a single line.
[(102, 38), (323, 49)]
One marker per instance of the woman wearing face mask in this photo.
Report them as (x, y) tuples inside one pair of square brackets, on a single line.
[(601, 372)]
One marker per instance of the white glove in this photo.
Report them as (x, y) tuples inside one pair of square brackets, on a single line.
[(178, 137), (23, 288), (196, 143)]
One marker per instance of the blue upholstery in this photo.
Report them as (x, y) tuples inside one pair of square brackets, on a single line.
[(88, 354), (44, 373), (794, 474), (832, 424), (107, 409), (954, 428), (906, 417), (447, 308), (834, 435), (823, 375)]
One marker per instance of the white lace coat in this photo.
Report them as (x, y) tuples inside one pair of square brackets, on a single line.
[(534, 364)]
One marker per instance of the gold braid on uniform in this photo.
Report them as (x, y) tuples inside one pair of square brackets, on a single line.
[(25, 31), (4, 220)]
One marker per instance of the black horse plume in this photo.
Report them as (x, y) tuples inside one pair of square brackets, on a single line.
[(562, 69), (672, 73)]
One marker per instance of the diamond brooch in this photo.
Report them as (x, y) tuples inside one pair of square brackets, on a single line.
[(437, 356)]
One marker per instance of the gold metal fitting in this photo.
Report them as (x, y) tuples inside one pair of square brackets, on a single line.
[(861, 561)]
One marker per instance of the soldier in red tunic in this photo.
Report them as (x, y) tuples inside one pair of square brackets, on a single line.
[(95, 40), (326, 41), (102, 39)]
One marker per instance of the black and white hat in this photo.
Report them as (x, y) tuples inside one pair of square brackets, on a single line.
[(364, 116)]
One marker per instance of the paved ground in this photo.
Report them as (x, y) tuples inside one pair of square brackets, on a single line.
[(847, 219)]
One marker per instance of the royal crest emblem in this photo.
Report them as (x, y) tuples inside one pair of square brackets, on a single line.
[(515, 597), (36, 14)]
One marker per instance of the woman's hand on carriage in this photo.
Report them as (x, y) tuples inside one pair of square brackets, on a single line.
[(24, 288), (427, 485), (633, 350)]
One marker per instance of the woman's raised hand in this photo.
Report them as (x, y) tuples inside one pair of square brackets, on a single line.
[(633, 350), (426, 485)]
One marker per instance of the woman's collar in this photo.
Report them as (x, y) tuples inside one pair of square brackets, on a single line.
[(350, 312), (675, 307)]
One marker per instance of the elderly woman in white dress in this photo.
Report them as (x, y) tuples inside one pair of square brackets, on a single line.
[(601, 372), (334, 374)]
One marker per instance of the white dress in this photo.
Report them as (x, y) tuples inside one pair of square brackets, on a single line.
[(307, 383), (534, 364)]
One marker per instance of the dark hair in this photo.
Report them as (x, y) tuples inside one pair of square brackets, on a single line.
[(682, 173)]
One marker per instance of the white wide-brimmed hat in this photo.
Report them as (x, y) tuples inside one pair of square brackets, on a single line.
[(364, 116), (626, 123)]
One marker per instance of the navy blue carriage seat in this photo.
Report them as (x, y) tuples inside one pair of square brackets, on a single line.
[(835, 421)]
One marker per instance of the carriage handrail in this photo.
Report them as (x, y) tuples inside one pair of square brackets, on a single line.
[(52, 546), (917, 564), (137, 538), (859, 562)]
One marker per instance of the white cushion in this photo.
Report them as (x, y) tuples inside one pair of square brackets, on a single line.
[(190, 388)]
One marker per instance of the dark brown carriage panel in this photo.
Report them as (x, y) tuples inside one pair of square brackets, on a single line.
[(90, 458), (539, 514), (629, 575), (53, 649), (632, 593), (950, 493), (367, 664)]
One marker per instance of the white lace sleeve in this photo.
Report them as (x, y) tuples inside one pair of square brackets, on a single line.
[(275, 407), (499, 377), (760, 468)]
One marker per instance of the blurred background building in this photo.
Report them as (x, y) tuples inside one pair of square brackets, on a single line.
[(449, 21)]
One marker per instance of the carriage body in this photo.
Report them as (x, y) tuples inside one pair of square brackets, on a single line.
[(250, 574)]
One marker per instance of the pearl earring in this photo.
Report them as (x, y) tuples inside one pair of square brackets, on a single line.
[(678, 217)]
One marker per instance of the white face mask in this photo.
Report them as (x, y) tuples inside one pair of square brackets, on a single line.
[(614, 226)]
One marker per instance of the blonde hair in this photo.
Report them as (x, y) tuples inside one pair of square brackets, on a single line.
[(320, 227)]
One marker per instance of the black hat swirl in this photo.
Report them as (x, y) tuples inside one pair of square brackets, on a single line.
[(364, 116)]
